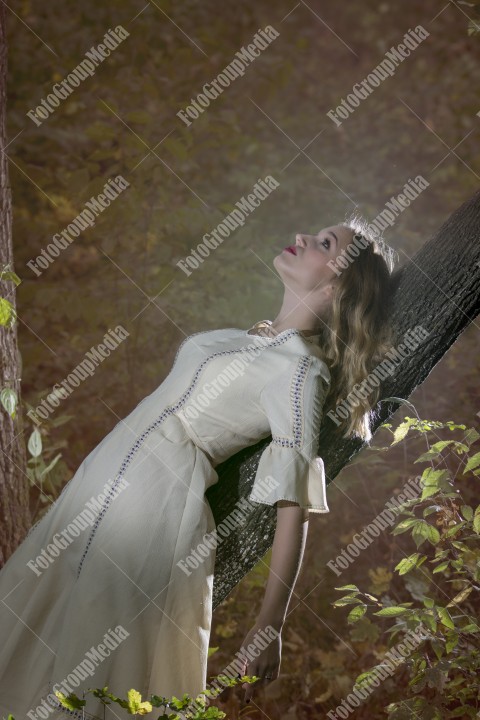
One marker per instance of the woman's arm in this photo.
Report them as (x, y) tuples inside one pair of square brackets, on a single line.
[(287, 554)]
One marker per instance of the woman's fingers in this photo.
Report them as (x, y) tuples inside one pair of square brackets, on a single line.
[(266, 676)]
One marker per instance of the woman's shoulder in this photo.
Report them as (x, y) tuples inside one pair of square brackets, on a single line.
[(283, 351), (294, 354), (311, 353)]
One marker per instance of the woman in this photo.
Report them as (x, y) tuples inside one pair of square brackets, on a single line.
[(103, 590)]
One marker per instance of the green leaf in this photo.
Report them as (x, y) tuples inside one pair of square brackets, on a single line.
[(434, 477), (405, 525), (35, 443), (424, 531), (434, 451), (347, 600), (409, 563), (8, 398), (348, 587), (7, 313), (392, 611), (438, 648), (10, 275), (454, 529), (443, 566), (430, 622), (135, 704), (429, 491), (470, 628), (467, 512), (471, 436), (476, 520), (472, 463), (401, 432), (460, 448), (356, 613), (463, 709), (445, 618), (452, 641), (430, 509), (72, 701)]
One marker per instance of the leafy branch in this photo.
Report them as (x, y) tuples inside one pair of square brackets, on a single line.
[(443, 669)]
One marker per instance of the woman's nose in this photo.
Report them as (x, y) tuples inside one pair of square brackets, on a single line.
[(299, 239)]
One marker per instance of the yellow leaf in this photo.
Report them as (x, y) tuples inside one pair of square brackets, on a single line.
[(461, 596), (381, 578)]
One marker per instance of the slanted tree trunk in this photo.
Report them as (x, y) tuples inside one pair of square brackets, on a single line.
[(14, 489), (438, 289)]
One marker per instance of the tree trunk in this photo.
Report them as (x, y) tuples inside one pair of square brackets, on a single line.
[(14, 487), (438, 289)]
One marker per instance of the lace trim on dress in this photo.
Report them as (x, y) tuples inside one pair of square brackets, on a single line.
[(281, 338)]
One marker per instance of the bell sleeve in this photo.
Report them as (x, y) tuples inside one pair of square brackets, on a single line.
[(289, 468)]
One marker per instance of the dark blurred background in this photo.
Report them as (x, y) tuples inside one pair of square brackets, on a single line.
[(183, 181)]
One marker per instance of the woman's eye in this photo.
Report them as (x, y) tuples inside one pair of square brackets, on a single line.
[(326, 240)]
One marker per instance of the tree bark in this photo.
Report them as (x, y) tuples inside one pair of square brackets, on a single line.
[(14, 486), (439, 289)]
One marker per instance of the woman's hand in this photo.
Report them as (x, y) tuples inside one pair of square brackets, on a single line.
[(266, 664), (287, 554)]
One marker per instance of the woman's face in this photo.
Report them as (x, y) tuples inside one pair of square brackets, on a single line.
[(304, 264)]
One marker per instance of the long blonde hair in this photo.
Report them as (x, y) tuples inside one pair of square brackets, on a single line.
[(357, 333)]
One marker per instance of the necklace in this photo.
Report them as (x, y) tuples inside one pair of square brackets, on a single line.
[(264, 328)]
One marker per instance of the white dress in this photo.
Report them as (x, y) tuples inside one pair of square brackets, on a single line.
[(104, 589)]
